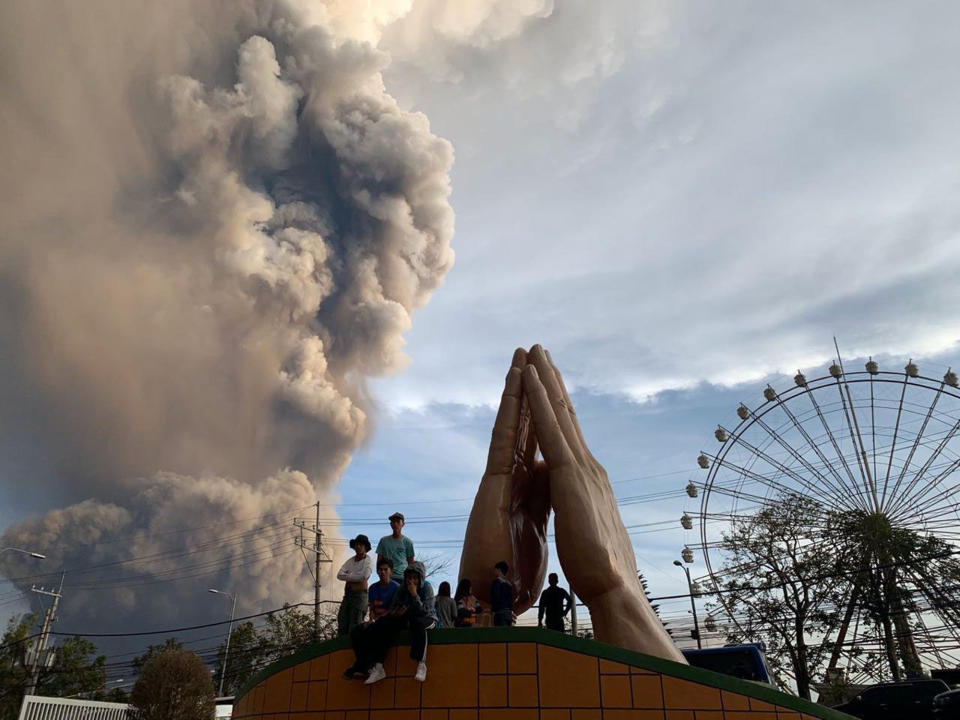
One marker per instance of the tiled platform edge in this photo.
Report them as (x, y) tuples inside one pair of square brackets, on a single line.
[(511, 674)]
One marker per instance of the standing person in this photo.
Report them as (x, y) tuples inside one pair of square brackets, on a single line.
[(467, 606), (446, 606), (413, 608), (396, 546), (380, 594), (555, 603), (354, 573), (501, 596)]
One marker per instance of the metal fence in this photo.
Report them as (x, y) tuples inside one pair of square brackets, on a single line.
[(46, 708)]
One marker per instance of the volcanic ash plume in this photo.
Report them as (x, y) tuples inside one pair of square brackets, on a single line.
[(217, 224)]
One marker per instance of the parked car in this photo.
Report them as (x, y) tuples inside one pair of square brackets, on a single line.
[(746, 661), (947, 705), (909, 700)]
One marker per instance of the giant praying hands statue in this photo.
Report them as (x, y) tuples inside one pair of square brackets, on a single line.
[(517, 493)]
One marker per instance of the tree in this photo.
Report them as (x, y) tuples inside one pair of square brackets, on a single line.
[(77, 670), (153, 650), (13, 675), (779, 586), (174, 684)]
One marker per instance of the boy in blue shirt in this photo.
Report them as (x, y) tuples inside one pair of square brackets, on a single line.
[(380, 595)]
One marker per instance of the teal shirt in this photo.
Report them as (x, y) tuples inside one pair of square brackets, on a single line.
[(398, 550)]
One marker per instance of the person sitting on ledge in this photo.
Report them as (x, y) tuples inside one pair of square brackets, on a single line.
[(354, 573), (467, 606), (446, 606), (413, 608), (380, 594), (501, 596)]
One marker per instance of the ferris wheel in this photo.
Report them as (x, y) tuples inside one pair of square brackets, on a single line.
[(872, 443)]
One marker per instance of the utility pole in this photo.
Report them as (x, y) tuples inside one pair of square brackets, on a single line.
[(40, 654), (573, 612), (320, 556), (693, 605)]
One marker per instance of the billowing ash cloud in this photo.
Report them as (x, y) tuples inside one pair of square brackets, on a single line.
[(217, 224)]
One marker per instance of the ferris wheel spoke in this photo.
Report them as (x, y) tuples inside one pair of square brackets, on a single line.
[(738, 438), (938, 499), (833, 439), (855, 437), (893, 444), (810, 442), (908, 495), (835, 493), (918, 438), (756, 477)]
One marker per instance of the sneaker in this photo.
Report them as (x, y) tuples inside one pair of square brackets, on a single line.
[(354, 672), (421, 671), (376, 675)]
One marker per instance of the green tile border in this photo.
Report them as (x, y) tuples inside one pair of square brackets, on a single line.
[(593, 648)]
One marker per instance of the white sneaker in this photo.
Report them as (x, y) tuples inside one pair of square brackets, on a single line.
[(421, 671), (376, 675)]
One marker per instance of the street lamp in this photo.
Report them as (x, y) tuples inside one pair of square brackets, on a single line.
[(693, 605), (32, 554), (226, 652)]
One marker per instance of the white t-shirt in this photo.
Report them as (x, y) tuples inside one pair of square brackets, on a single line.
[(354, 570)]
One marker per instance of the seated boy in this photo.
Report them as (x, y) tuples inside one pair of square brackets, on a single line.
[(380, 594), (412, 608)]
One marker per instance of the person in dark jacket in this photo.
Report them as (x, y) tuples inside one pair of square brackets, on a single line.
[(413, 608), (501, 596), (555, 603)]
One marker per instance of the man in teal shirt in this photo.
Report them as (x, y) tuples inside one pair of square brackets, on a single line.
[(396, 547)]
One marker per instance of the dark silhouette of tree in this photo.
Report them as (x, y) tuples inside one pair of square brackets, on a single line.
[(779, 585), (77, 670), (174, 684)]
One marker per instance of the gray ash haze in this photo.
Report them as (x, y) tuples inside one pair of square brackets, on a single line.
[(217, 224)]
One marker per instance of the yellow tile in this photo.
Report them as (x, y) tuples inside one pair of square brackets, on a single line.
[(615, 691), (456, 714), (317, 696), (568, 679), (760, 705), (522, 658), (734, 701), (408, 693), (356, 715), (632, 714), (343, 694), (298, 696), (608, 667), (492, 658), (709, 715), (382, 694), (493, 691), (679, 693), (336, 715), (784, 714), (437, 714), (585, 714), (555, 714), (310, 716), (509, 714), (646, 691), (679, 715), (523, 691), (278, 692), (319, 667), (451, 677), (406, 665), (301, 672), (738, 715), (394, 715)]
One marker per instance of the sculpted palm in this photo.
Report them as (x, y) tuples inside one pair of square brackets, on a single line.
[(594, 549)]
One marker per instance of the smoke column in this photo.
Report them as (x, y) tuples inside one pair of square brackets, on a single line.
[(216, 224)]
